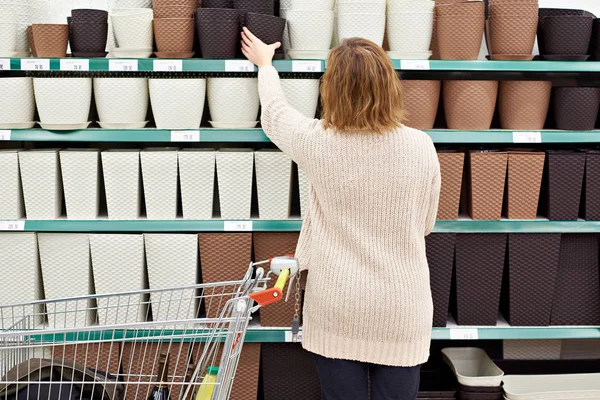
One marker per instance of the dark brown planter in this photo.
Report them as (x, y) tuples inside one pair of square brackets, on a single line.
[(88, 37), (255, 6), (217, 3), (564, 183), (552, 12), (525, 172), (567, 34), (591, 210), (91, 16), (576, 108), (451, 170), (289, 372), (487, 177), (532, 269), (218, 32), (440, 256), (595, 42), (267, 28)]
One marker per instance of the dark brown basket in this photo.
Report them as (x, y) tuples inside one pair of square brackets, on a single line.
[(440, 256), (487, 177), (88, 38), (567, 34), (564, 184), (421, 101), (479, 270), (525, 172), (451, 170), (267, 28), (576, 108), (523, 105), (255, 6), (552, 12), (532, 270), (591, 209), (85, 15), (577, 294), (289, 372), (218, 32)]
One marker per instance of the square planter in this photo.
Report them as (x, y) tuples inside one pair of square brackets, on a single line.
[(591, 210), (245, 385), (304, 188), (564, 184), (122, 183), (532, 271), (451, 170), (273, 182), (159, 171), (440, 257), (532, 349), (172, 262), (267, 246), (118, 266), (42, 184), (234, 174), (479, 270), (525, 171), (11, 190), (81, 179), (487, 176), (197, 177)]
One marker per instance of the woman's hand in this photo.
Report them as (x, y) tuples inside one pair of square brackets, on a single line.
[(256, 51)]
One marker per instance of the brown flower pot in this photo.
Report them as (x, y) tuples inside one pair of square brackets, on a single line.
[(174, 12), (525, 171), (487, 176), (451, 168), (174, 34), (31, 42), (513, 35), (459, 30), (469, 105), (421, 100), (50, 40), (523, 105), (245, 385), (564, 183)]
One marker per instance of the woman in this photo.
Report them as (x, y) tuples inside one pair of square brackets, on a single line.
[(374, 189)]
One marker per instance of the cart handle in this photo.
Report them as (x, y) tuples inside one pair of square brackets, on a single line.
[(284, 267)]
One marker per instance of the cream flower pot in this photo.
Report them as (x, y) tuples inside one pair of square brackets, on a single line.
[(122, 183), (81, 180), (310, 29), (159, 172), (63, 103), (234, 175), (17, 103), (42, 183), (11, 191), (122, 101), (273, 179), (197, 177), (302, 94), (177, 103), (241, 114)]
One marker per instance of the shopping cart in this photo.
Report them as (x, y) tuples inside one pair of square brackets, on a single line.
[(135, 345)]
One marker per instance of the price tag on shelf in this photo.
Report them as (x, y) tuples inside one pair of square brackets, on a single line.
[(168, 65), (422, 65), (12, 225), (4, 64), (238, 226), (5, 135), (464, 334), (238, 66), (35, 64), (306, 66), (185, 136), (288, 336), (527, 137), (75, 64), (123, 65)]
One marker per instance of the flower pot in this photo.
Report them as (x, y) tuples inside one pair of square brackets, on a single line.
[(595, 41), (310, 30), (544, 349), (121, 169), (567, 34), (218, 32), (88, 15), (552, 12), (246, 382), (174, 12), (440, 258), (197, 177), (410, 32), (63, 101), (512, 35), (133, 31), (11, 192), (564, 183), (81, 180), (177, 103), (267, 28), (525, 171), (576, 108), (289, 371), (121, 100), (591, 209), (16, 102), (42, 184), (255, 6), (367, 26), (20, 256), (217, 3), (88, 37), (421, 101), (234, 175), (487, 176), (470, 105), (459, 35), (273, 182), (159, 172), (303, 188), (302, 95), (51, 40), (174, 34), (8, 37), (244, 90), (451, 169), (523, 105)]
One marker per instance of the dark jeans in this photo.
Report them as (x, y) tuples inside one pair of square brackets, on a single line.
[(348, 380)]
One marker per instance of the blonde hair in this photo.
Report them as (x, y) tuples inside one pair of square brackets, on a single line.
[(361, 90)]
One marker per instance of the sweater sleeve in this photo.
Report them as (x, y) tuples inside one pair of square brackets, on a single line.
[(434, 199)]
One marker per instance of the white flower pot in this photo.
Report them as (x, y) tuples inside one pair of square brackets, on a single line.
[(310, 30), (361, 7), (42, 183), (118, 265), (63, 101), (172, 262), (133, 31), (16, 102), (67, 272), (159, 172), (302, 94), (367, 26), (233, 100), (273, 182), (197, 177), (8, 37), (412, 6), (81, 180), (319, 5), (234, 175), (11, 191), (122, 100), (285, 40), (177, 103), (303, 186), (122, 183), (410, 32)]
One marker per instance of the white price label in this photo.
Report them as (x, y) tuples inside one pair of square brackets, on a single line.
[(4, 64), (238, 66), (527, 137), (74, 64), (464, 334), (123, 65), (168, 65), (288, 336), (422, 65), (5, 135), (12, 225), (35, 64), (185, 136), (238, 226), (306, 66)]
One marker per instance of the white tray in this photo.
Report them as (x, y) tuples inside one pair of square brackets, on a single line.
[(473, 367)]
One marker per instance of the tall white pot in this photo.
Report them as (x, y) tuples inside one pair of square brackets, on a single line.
[(42, 183), (121, 169), (367, 26), (233, 102), (81, 180), (197, 177), (17, 103), (234, 175), (122, 101), (11, 191), (273, 182), (302, 94), (410, 32), (177, 103), (159, 171), (63, 103)]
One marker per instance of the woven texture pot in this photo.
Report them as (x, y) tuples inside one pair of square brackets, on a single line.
[(532, 270), (20, 256), (460, 31), (159, 173), (513, 27), (409, 32), (564, 183), (197, 179), (531, 349), (174, 34), (220, 93), (255, 6), (234, 176), (479, 270), (273, 182), (595, 41), (470, 105), (302, 95), (289, 372), (369, 26), (80, 170), (487, 176), (51, 40), (591, 211), (267, 28), (525, 171), (133, 30), (576, 108), (246, 381), (217, 3), (11, 191), (421, 100), (567, 34), (42, 184), (577, 294), (16, 101), (121, 100), (552, 12), (310, 30), (174, 12), (440, 257), (177, 103), (122, 181), (523, 105), (451, 169), (87, 36), (63, 100), (218, 32)]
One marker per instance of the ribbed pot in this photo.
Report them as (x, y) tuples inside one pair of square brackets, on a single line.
[(122, 182), (513, 35), (564, 184), (567, 34), (451, 169), (440, 258), (16, 102), (273, 182), (197, 178), (470, 105), (81, 180), (218, 32), (51, 40), (487, 176), (159, 173), (421, 101), (591, 211), (302, 95), (220, 93), (410, 32), (523, 105), (177, 103), (133, 31), (63, 100), (42, 183), (234, 175), (11, 192), (576, 108), (367, 26), (174, 34), (122, 100), (20, 256), (310, 30), (525, 170), (289, 371), (459, 35)]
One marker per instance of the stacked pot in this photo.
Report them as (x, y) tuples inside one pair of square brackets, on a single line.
[(469, 105), (459, 29), (174, 28), (49, 40), (267, 28), (409, 28), (566, 34), (88, 32), (310, 27), (218, 32), (512, 28), (16, 17), (132, 29), (361, 18)]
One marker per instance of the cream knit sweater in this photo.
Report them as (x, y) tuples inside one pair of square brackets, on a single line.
[(373, 199)]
